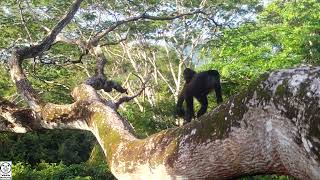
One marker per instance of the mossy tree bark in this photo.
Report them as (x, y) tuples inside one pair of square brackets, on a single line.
[(272, 128)]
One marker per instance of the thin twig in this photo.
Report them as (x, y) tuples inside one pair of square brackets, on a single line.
[(24, 22), (129, 98)]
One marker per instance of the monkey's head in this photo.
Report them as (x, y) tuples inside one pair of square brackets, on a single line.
[(188, 74), (214, 73)]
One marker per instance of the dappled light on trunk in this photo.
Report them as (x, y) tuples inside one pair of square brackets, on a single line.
[(271, 128)]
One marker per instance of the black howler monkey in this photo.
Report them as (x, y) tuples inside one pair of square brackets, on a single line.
[(198, 85)]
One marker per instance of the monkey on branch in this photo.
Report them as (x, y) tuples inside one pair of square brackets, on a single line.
[(198, 85)]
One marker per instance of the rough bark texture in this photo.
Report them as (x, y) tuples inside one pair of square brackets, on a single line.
[(272, 128)]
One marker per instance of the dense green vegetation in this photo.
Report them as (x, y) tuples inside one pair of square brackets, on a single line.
[(284, 34)]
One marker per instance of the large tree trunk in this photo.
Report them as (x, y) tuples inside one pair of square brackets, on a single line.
[(272, 128)]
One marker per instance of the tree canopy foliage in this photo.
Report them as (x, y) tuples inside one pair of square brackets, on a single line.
[(285, 34)]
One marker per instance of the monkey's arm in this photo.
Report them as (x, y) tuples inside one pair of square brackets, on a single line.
[(179, 109)]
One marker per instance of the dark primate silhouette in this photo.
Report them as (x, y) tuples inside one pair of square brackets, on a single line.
[(198, 85)]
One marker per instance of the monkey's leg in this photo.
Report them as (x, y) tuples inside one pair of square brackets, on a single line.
[(189, 112), (204, 105), (217, 89)]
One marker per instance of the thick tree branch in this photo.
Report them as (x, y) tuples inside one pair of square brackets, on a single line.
[(265, 130), (272, 128), (46, 43), (19, 54), (15, 119), (144, 15), (100, 82)]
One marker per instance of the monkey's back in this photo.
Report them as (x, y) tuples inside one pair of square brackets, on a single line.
[(202, 83)]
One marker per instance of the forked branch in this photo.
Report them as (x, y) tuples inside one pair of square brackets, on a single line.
[(129, 98), (24, 87)]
